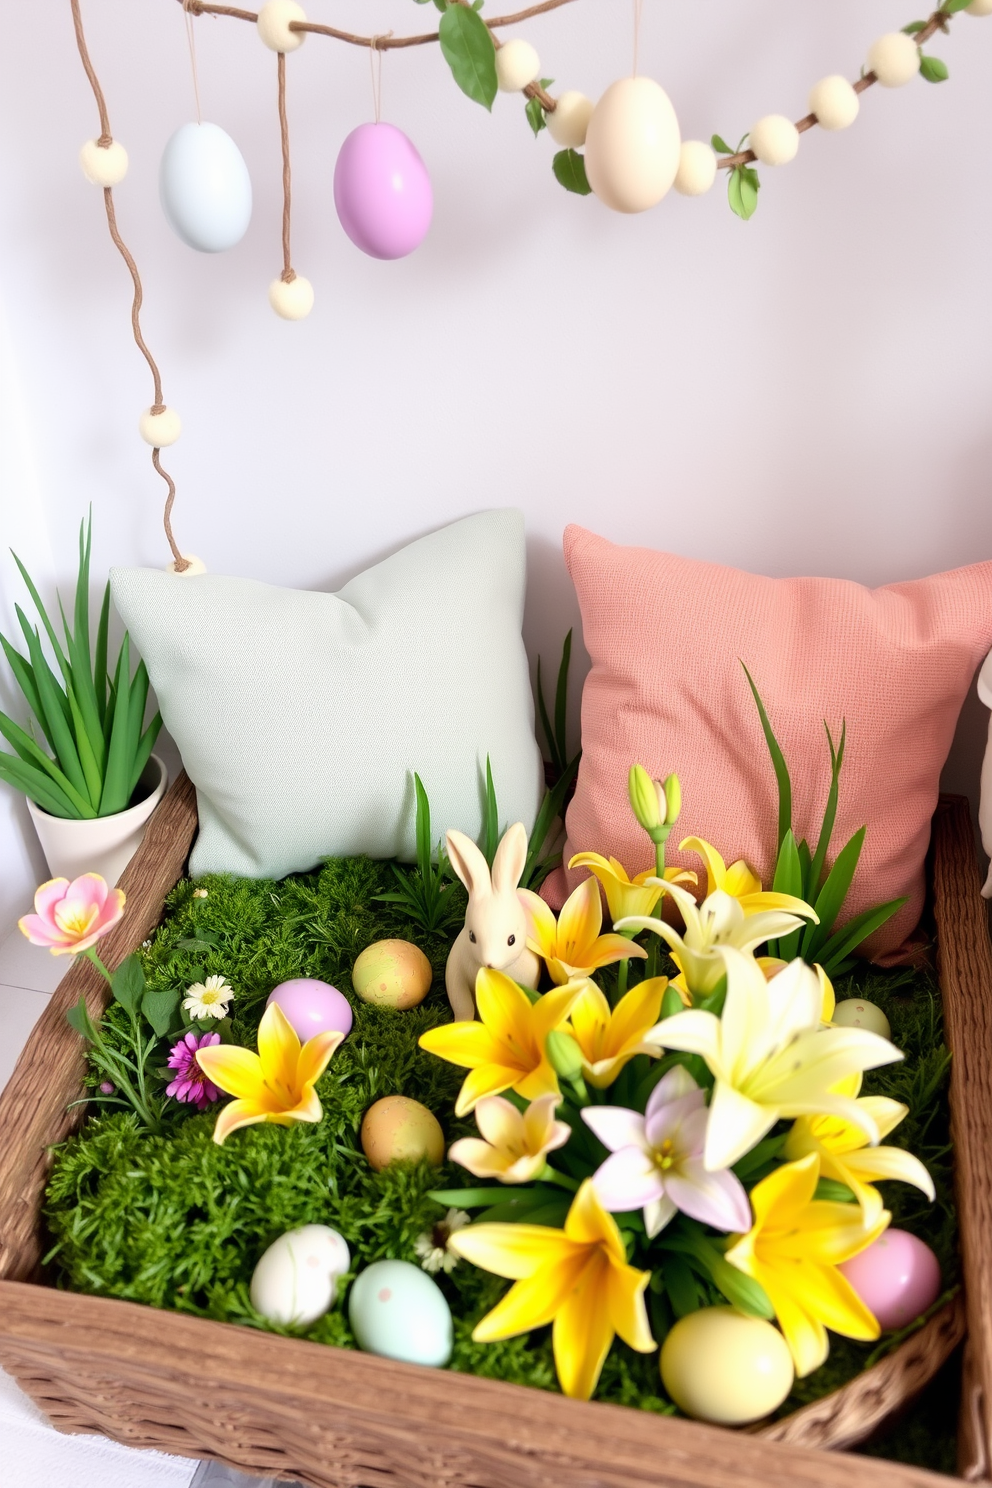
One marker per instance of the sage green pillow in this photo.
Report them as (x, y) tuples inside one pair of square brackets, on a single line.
[(301, 717)]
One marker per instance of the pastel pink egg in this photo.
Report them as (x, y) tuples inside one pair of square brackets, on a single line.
[(382, 191), (312, 1007), (897, 1278)]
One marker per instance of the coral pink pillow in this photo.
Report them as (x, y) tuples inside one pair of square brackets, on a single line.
[(666, 636)]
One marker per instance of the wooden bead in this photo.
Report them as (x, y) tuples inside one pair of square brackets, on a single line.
[(774, 139), (517, 64), (193, 567), (834, 102), (273, 25), (697, 169), (894, 59), (292, 300), (568, 121), (103, 166), (160, 429)]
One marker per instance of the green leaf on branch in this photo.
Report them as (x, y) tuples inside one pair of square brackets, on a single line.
[(951, 7), (570, 172), (159, 1009), (934, 70), (468, 49), (78, 1018), (128, 983), (535, 115), (915, 26), (742, 191), (720, 144)]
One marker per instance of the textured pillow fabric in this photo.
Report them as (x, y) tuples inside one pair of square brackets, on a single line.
[(302, 716), (666, 636)]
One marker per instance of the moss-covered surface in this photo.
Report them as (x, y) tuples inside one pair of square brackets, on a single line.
[(175, 1221)]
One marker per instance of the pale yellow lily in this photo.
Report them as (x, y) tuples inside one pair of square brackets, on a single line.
[(505, 1048), (513, 1145), (626, 895), (772, 965), (846, 1157), (709, 927), (578, 1277), (793, 1250), (609, 1037), (739, 882), (771, 1057), (277, 1083), (572, 946)]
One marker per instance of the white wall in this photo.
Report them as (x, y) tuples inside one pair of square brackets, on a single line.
[(808, 392)]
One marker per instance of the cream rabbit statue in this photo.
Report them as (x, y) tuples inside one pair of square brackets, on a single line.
[(496, 925)]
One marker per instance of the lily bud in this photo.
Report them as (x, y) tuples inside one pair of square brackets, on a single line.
[(564, 1055), (645, 798), (673, 799)]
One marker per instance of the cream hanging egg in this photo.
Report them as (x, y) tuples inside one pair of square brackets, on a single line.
[(205, 188), (632, 145)]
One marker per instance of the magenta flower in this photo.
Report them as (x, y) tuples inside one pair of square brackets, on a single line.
[(191, 1084), (71, 917), (656, 1161)]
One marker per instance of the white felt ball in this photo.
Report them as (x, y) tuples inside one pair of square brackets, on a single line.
[(774, 139), (894, 59), (632, 145), (293, 301), (160, 429), (103, 167), (697, 169), (517, 64), (273, 25), (194, 566), (979, 8), (567, 123), (834, 102)]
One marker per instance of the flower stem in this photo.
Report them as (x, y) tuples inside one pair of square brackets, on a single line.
[(551, 1175), (91, 955)]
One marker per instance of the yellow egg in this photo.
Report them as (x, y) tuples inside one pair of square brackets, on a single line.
[(398, 1129), (720, 1366), (392, 973), (856, 1013), (632, 145)]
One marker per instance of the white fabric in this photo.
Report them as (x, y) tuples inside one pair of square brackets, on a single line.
[(301, 717), (985, 800)]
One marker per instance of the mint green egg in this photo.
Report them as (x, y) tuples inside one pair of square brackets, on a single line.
[(398, 1312)]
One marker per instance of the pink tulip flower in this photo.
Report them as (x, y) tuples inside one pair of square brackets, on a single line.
[(71, 917), (656, 1160)]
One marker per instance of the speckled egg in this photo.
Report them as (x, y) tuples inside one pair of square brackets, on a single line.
[(720, 1366), (398, 1129), (312, 1007), (398, 1312), (296, 1280), (392, 973), (855, 1012), (897, 1278)]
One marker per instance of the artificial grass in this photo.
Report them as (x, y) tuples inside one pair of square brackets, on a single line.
[(175, 1221)]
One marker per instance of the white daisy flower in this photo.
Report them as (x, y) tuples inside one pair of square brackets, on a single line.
[(208, 999), (432, 1247)]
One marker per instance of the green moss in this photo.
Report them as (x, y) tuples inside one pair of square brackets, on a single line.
[(177, 1222)]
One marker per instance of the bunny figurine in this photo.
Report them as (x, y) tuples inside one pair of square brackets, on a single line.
[(495, 929)]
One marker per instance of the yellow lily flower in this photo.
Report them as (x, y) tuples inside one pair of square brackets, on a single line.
[(845, 1155), (709, 928), (739, 882), (577, 1276), (771, 1057), (277, 1083), (514, 1144), (609, 1037), (625, 895), (505, 1049), (572, 946), (772, 965), (794, 1248)]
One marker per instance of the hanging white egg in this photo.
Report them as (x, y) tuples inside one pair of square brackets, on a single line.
[(632, 145), (205, 188)]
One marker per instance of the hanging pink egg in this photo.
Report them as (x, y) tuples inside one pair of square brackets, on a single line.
[(382, 191), (897, 1278)]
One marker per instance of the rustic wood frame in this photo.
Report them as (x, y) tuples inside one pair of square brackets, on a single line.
[(338, 1419)]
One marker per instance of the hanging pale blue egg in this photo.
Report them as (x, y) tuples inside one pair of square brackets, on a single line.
[(205, 188)]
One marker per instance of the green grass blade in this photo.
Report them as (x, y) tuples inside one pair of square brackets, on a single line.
[(28, 750), (136, 708), (38, 786), (143, 752), (28, 632), (81, 686), (55, 705), (118, 774), (100, 657), (423, 828), (561, 700), (830, 899), (778, 762), (92, 773), (830, 814), (43, 613), (24, 677), (551, 809), (840, 945), (490, 817), (82, 606), (549, 733), (788, 880), (804, 868)]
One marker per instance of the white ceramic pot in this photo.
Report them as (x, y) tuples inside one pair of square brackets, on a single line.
[(105, 844)]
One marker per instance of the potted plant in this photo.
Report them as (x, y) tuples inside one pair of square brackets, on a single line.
[(86, 767)]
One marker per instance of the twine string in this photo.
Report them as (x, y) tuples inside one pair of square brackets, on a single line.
[(375, 68), (191, 42), (288, 272), (638, 4)]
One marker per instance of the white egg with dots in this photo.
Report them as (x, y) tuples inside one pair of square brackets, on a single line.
[(398, 1312), (295, 1282)]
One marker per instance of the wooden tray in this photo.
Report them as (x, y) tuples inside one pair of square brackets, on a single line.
[(334, 1418)]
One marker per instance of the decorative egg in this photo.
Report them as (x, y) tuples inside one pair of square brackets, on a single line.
[(632, 145), (296, 1280), (897, 1278), (855, 1012), (398, 1129), (720, 1366), (382, 191), (392, 973), (205, 188), (312, 1007), (398, 1312)]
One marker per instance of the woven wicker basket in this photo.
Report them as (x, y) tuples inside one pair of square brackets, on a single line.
[(334, 1418)]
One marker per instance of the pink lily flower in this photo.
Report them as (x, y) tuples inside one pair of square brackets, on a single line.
[(71, 917), (656, 1160)]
